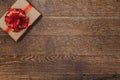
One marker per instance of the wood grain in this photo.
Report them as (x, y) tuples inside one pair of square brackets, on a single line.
[(58, 66), (96, 8), (74, 40), (75, 26), (46, 77), (82, 45), (64, 64)]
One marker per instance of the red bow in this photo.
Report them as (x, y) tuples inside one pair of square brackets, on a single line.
[(16, 19)]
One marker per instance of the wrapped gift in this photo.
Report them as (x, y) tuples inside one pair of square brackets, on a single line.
[(18, 19)]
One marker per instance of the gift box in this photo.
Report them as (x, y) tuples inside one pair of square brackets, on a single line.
[(18, 19)]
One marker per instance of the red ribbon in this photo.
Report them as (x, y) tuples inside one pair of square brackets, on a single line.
[(27, 8), (25, 19)]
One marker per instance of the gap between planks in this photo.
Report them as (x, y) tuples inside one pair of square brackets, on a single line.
[(78, 17)]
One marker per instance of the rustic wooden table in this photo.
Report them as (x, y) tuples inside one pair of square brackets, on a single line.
[(74, 40)]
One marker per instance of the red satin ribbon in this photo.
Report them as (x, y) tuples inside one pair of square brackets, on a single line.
[(26, 9), (8, 30)]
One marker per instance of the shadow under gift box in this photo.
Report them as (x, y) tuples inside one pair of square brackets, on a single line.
[(33, 15)]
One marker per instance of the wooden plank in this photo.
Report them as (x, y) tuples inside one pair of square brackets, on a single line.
[(82, 8), (61, 77), (82, 45), (59, 64), (75, 26)]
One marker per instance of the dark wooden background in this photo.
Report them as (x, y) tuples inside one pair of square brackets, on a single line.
[(74, 40)]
